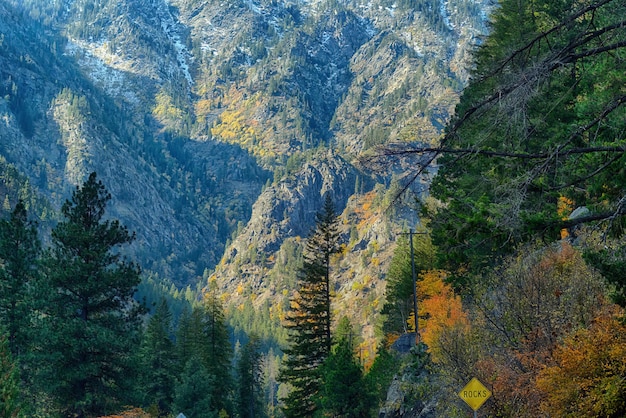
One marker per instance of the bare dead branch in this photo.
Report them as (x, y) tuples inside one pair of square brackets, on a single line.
[(596, 51), (603, 216), (597, 33), (419, 172), (619, 210), (504, 154), (588, 176)]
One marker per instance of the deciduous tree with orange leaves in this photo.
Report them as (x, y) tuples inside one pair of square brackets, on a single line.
[(589, 375), (440, 307)]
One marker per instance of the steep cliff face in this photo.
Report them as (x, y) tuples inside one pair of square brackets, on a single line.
[(260, 263), (284, 211), (219, 126), (287, 209)]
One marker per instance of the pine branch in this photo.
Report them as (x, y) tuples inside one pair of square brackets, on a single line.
[(544, 35)]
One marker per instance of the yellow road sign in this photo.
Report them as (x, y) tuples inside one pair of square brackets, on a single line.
[(475, 394)]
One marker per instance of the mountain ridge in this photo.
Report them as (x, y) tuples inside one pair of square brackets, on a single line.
[(211, 121)]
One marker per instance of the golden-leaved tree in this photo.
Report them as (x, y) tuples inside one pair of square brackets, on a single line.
[(440, 308), (589, 375)]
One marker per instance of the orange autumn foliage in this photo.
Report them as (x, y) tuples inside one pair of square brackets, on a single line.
[(589, 377), (513, 388), (523, 311), (439, 307)]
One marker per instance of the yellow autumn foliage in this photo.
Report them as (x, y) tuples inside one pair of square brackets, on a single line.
[(164, 109), (130, 413), (587, 378)]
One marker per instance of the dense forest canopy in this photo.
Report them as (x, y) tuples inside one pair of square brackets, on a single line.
[(537, 141)]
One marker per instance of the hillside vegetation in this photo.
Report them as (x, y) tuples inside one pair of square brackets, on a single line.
[(266, 162), (529, 215)]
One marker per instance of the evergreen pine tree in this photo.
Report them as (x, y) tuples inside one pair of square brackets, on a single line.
[(193, 393), (91, 322), (218, 351), (19, 253), (202, 334), (399, 291), (309, 319), (344, 391), (185, 339), (250, 381), (10, 401), (381, 374), (158, 361), (532, 131)]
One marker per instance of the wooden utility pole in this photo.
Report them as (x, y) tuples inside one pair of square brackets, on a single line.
[(413, 274), (416, 316)]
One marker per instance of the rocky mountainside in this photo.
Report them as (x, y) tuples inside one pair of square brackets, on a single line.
[(68, 111), (218, 127)]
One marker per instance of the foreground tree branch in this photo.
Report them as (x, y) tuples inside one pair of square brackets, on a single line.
[(542, 122)]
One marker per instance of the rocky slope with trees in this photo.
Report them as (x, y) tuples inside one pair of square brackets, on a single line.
[(203, 118)]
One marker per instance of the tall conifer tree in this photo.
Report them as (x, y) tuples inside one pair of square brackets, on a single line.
[(399, 290), (194, 392), (92, 323), (309, 319), (250, 381), (20, 249), (218, 351), (538, 132), (186, 338), (344, 389), (158, 361), (202, 335)]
